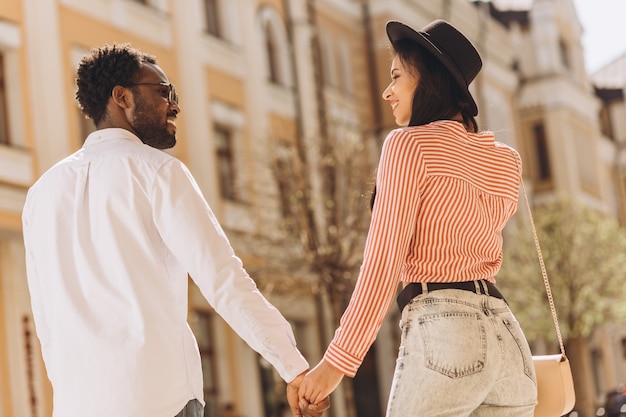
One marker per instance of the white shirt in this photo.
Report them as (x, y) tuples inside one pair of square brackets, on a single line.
[(111, 233)]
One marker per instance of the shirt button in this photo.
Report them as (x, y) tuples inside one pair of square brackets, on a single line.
[(288, 367)]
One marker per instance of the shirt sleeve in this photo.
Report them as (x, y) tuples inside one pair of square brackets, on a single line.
[(32, 273), (192, 233), (400, 172)]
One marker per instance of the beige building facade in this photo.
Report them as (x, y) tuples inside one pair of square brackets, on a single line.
[(250, 72)]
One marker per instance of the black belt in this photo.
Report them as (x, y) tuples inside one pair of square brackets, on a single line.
[(414, 289)]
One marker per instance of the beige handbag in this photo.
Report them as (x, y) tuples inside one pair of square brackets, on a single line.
[(555, 386)]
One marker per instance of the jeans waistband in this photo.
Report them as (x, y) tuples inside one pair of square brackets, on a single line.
[(414, 289)]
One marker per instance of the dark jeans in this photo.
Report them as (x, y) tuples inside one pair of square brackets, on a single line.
[(193, 409)]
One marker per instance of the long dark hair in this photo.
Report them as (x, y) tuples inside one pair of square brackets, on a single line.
[(437, 95)]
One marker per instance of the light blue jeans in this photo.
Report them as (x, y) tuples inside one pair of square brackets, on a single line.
[(462, 354), (193, 408)]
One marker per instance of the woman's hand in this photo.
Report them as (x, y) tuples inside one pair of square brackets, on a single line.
[(318, 384), (307, 410)]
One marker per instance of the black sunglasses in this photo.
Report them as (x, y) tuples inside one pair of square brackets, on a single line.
[(172, 96)]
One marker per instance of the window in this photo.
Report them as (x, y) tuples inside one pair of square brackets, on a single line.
[(4, 122), (272, 57), (564, 54), (544, 172), (283, 173), (212, 17), (225, 162), (203, 330), (606, 124), (274, 40)]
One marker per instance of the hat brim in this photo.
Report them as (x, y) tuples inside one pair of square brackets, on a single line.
[(398, 30)]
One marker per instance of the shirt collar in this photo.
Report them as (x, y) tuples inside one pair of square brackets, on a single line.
[(110, 133), (485, 138)]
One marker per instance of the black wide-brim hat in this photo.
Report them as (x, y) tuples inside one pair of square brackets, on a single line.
[(449, 46)]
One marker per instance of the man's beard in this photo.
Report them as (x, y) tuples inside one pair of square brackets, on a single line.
[(149, 129)]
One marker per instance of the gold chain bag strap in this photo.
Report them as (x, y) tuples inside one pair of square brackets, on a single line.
[(555, 386)]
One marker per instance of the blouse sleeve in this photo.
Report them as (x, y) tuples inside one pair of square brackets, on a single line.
[(401, 171)]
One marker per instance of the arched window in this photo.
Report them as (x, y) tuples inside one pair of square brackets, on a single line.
[(276, 46), (271, 48)]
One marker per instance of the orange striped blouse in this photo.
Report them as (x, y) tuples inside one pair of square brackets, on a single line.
[(443, 196)]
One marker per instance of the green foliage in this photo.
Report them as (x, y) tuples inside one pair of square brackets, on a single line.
[(585, 257)]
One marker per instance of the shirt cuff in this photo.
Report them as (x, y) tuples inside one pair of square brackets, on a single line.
[(292, 366), (342, 360)]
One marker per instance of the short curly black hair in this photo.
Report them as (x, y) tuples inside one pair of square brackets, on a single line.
[(104, 68)]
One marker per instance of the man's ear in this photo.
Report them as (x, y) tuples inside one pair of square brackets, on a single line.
[(122, 96)]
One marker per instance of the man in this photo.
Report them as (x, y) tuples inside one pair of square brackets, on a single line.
[(111, 234)]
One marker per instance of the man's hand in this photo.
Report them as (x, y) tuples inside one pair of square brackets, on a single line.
[(304, 409), (292, 395), (314, 410)]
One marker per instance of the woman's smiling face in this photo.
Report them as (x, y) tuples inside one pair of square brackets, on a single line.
[(400, 91)]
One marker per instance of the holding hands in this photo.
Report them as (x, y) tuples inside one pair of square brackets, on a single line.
[(308, 394)]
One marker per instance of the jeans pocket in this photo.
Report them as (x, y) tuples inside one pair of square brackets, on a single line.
[(517, 334), (455, 343)]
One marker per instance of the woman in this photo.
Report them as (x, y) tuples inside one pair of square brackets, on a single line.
[(443, 195)]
